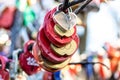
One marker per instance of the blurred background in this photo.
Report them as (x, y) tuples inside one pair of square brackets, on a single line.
[(98, 27)]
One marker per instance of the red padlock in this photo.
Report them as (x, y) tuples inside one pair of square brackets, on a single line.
[(47, 52), (7, 17), (51, 34), (27, 60), (37, 53), (4, 74), (53, 67)]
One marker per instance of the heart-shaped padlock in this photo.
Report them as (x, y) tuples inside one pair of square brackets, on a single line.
[(7, 17), (27, 60), (65, 20), (54, 66), (66, 50), (4, 74), (46, 51), (45, 46), (53, 35), (68, 33)]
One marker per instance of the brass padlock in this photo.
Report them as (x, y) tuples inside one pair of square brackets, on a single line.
[(68, 33), (51, 65), (68, 49)]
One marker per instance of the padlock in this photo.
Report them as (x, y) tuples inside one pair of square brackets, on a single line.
[(4, 74), (45, 48), (49, 69), (7, 17), (54, 66), (54, 38), (66, 50), (37, 53), (27, 60), (68, 33), (51, 60), (65, 20)]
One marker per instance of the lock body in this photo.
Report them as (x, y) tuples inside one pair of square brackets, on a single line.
[(27, 60), (50, 33), (4, 74)]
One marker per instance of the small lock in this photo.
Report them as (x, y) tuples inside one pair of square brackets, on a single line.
[(50, 33), (49, 69), (45, 48), (68, 49), (51, 65), (4, 74), (65, 21), (27, 60), (68, 33)]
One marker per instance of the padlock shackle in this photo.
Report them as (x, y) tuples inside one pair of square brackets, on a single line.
[(3, 63), (66, 4), (28, 46), (79, 9), (58, 9)]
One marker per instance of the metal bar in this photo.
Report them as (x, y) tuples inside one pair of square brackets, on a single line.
[(82, 7)]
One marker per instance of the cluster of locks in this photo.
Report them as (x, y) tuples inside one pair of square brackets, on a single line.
[(53, 47), (55, 44)]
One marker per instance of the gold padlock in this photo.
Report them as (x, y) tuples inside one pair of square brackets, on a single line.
[(68, 49), (68, 33), (55, 65)]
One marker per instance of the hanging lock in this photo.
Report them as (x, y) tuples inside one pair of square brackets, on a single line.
[(27, 60), (68, 49), (68, 33), (54, 34), (4, 74), (54, 66), (65, 21), (45, 48)]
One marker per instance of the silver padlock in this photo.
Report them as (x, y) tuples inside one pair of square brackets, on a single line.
[(65, 21)]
